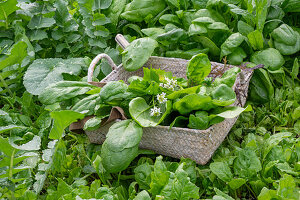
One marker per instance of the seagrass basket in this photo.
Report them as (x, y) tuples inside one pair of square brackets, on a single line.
[(198, 145)]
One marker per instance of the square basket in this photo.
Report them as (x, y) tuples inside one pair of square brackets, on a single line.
[(198, 145)]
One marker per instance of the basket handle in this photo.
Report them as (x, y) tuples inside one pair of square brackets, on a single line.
[(120, 39), (95, 61)]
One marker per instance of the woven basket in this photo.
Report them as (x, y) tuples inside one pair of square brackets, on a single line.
[(198, 145)]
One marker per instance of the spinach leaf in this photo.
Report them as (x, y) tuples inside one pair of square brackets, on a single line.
[(199, 121), (228, 78), (113, 92), (198, 68), (231, 43), (137, 53), (43, 72), (286, 40), (121, 145), (172, 36), (87, 104), (140, 111), (222, 170), (138, 10), (223, 95), (193, 102), (63, 90), (62, 119), (92, 124), (270, 58)]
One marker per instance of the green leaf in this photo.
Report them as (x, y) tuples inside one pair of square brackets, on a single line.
[(244, 28), (7, 7), (286, 40), (101, 4), (113, 92), (231, 43), (63, 90), (236, 183), (138, 10), (159, 177), (287, 187), (270, 58), (17, 54), (222, 170), (232, 112), (267, 194), (228, 77), (256, 39), (87, 104), (198, 68), (295, 70), (207, 43), (261, 13), (38, 21), (143, 195), (142, 174), (137, 53), (121, 145), (192, 102), (92, 124), (9, 127), (221, 195), (273, 141), (62, 119), (33, 144), (247, 164), (43, 72), (223, 95), (153, 32), (5, 147), (140, 112)]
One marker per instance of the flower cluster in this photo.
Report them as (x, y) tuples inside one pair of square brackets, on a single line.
[(161, 98), (155, 111), (170, 85)]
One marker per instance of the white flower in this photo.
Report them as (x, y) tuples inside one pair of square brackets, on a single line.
[(161, 98), (155, 111), (161, 85)]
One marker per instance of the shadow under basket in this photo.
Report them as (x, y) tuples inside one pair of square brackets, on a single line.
[(198, 145)]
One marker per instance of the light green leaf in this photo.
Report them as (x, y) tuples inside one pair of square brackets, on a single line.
[(43, 72), (137, 53), (256, 39), (38, 21), (222, 170), (236, 183), (232, 112), (62, 119), (7, 7), (198, 68), (17, 54), (63, 90), (270, 58), (92, 124)]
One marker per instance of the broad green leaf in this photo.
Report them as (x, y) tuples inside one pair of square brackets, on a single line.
[(33, 144), (222, 170), (153, 32), (181, 93), (256, 39), (137, 11), (232, 42), (237, 56), (236, 183), (267, 194), (87, 104), (159, 177), (207, 43), (287, 187), (295, 70), (232, 112), (9, 127), (169, 19), (244, 28), (228, 77), (247, 164), (140, 111), (43, 72), (62, 119), (261, 13), (218, 26), (198, 68), (38, 21), (196, 29), (192, 102), (7, 7), (121, 145), (63, 90), (223, 95), (113, 92), (101, 4), (222, 195), (273, 141), (17, 54), (172, 36), (137, 53), (270, 58), (286, 40), (142, 174), (92, 124), (143, 195), (5, 147)]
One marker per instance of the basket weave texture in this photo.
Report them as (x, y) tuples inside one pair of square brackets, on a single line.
[(198, 145)]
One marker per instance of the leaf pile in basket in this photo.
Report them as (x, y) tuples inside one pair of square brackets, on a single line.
[(157, 98)]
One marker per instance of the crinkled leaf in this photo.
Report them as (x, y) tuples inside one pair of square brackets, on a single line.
[(270, 58), (198, 68)]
